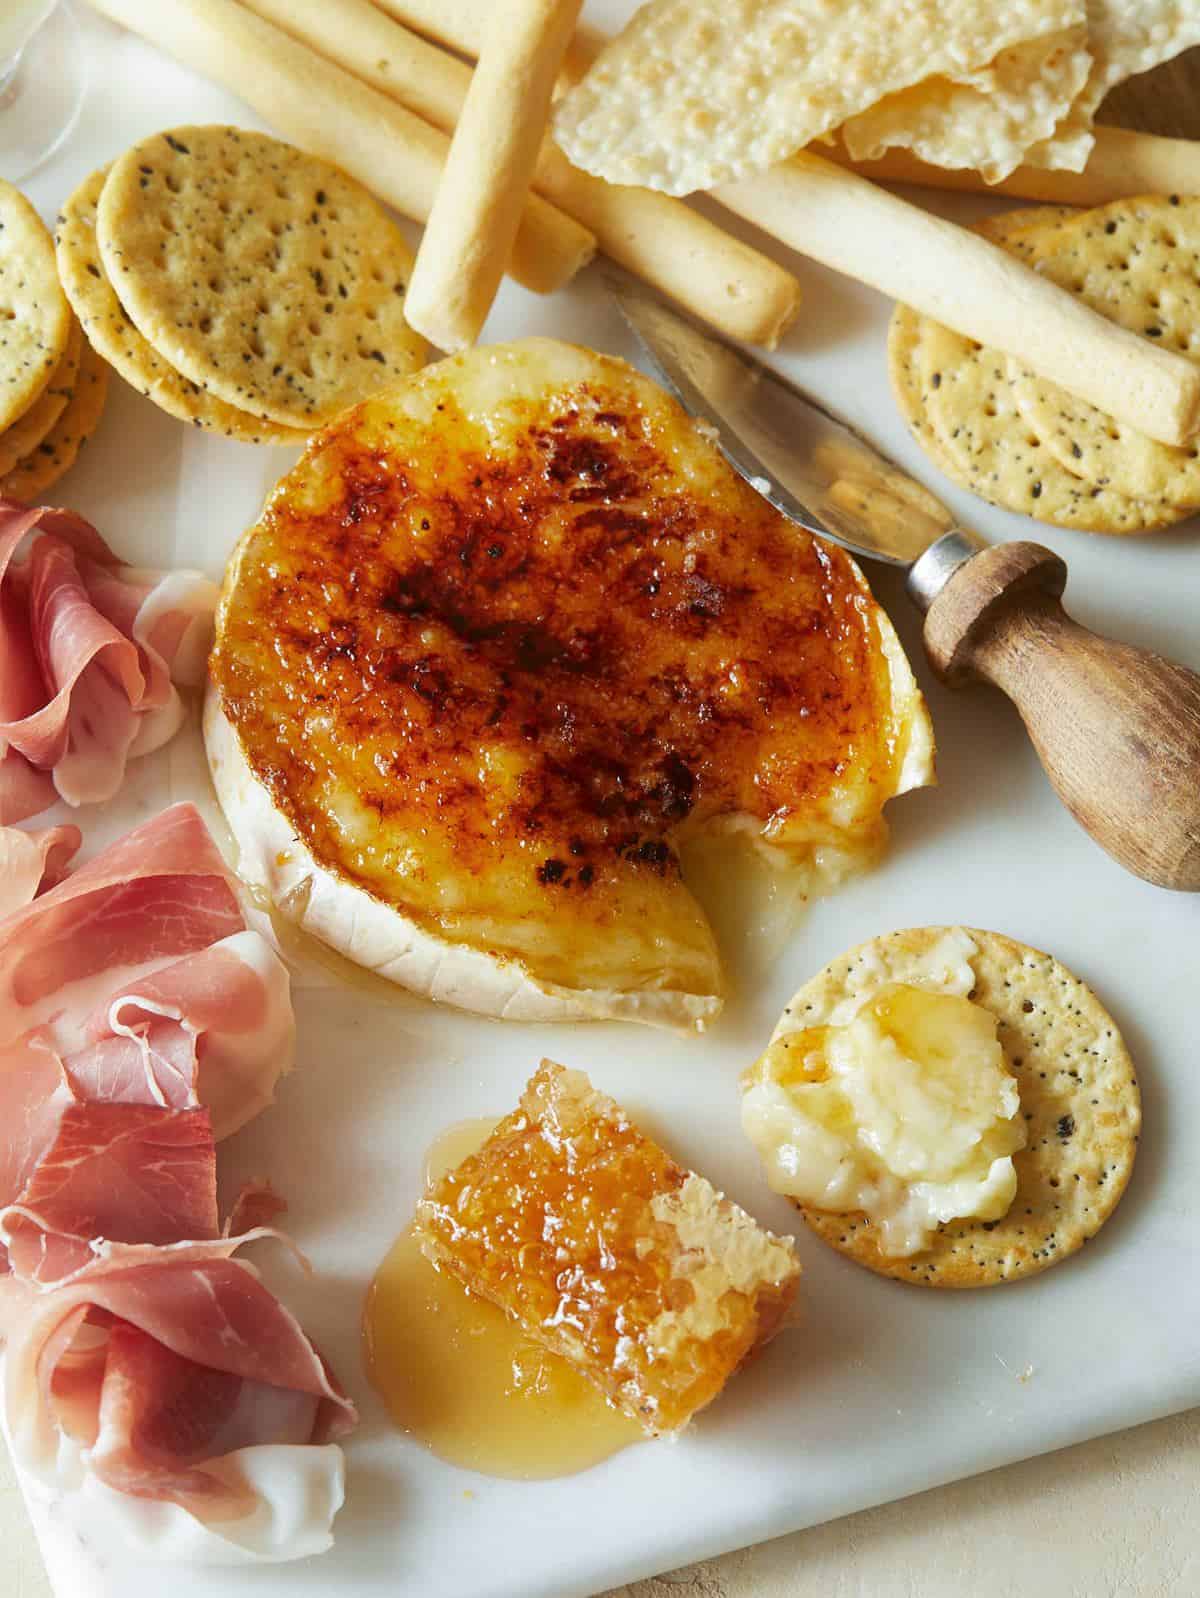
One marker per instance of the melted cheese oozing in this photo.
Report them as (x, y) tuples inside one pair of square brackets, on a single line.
[(907, 1112)]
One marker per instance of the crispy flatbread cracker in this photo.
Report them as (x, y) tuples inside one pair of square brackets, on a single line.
[(1079, 1097), (263, 274), (114, 336), (29, 430), (1125, 37), (699, 92), (1134, 261), (35, 319), (58, 450), (987, 122)]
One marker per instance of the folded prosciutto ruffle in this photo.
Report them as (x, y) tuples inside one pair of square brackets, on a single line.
[(154, 1389), (90, 651), (137, 980), (31, 862)]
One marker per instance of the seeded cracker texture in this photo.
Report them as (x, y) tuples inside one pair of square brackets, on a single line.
[(58, 451), (971, 426), (263, 274), (113, 335), (987, 123), (699, 92), (1079, 1097), (35, 319), (28, 431), (605, 1251), (1135, 262)]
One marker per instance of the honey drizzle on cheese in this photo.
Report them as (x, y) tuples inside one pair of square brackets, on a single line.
[(458, 1376)]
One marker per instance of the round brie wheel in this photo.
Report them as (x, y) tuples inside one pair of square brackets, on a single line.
[(506, 635)]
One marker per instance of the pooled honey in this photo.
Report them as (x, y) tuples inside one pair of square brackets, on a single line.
[(461, 1378)]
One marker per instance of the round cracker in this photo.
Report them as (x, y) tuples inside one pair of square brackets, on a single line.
[(113, 335), (983, 442), (28, 431), (58, 450), (35, 319), (1079, 1097), (904, 334), (264, 274), (1133, 261)]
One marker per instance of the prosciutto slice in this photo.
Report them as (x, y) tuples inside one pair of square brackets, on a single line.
[(30, 862), (167, 1381), (137, 981), (155, 1390), (115, 1173), (90, 652)]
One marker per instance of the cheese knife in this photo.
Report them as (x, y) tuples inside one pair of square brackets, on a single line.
[(1117, 728)]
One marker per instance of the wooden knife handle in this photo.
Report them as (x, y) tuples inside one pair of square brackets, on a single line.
[(1117, 728)]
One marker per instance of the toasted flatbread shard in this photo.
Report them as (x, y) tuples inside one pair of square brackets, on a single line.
[(508, 634), (606, 1251), (694, 93), (987, 122)]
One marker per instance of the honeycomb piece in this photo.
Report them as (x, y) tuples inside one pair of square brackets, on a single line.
[(608, 1253)]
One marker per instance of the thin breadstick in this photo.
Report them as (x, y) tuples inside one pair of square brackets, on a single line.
[(322, 108), (717, 277), (1122, 163), (486, 177), (972, 286)]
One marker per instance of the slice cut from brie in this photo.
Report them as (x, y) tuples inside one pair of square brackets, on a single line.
[(507, 634)]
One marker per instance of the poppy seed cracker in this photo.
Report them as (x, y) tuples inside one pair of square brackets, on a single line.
[(113, 335), (263, 274), (1135, 262), (1079, 1098), (35, 319)]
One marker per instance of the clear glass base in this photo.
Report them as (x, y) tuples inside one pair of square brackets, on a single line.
[(41, 94)]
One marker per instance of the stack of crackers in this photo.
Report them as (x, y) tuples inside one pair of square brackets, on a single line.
[(52, 387), (241, 284), (1019, 440)]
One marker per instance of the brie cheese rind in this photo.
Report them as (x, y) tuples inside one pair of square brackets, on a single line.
[(508, 633)]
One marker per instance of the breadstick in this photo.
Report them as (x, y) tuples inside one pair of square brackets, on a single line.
[(322, 108), (486, 178), (972, 286), (670, 246), (1122, 163)]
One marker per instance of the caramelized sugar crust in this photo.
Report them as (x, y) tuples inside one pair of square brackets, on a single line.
[(608, 1252), (553, 627)]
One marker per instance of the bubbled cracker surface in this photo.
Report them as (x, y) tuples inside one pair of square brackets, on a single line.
[(113, 335), (57, 452), (1079, 1098), (699, 92), (967, 406), (263, 274), (986, 124), (35, 319), (1136, 262)]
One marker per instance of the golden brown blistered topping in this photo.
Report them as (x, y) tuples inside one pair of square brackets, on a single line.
[(608, 1252), (510, 628)]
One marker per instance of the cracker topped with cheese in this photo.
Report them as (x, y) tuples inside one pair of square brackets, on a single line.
[(508, 633), (947, 1107)]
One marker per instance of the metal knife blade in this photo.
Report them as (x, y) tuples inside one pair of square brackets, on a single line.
[(811, 465)]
